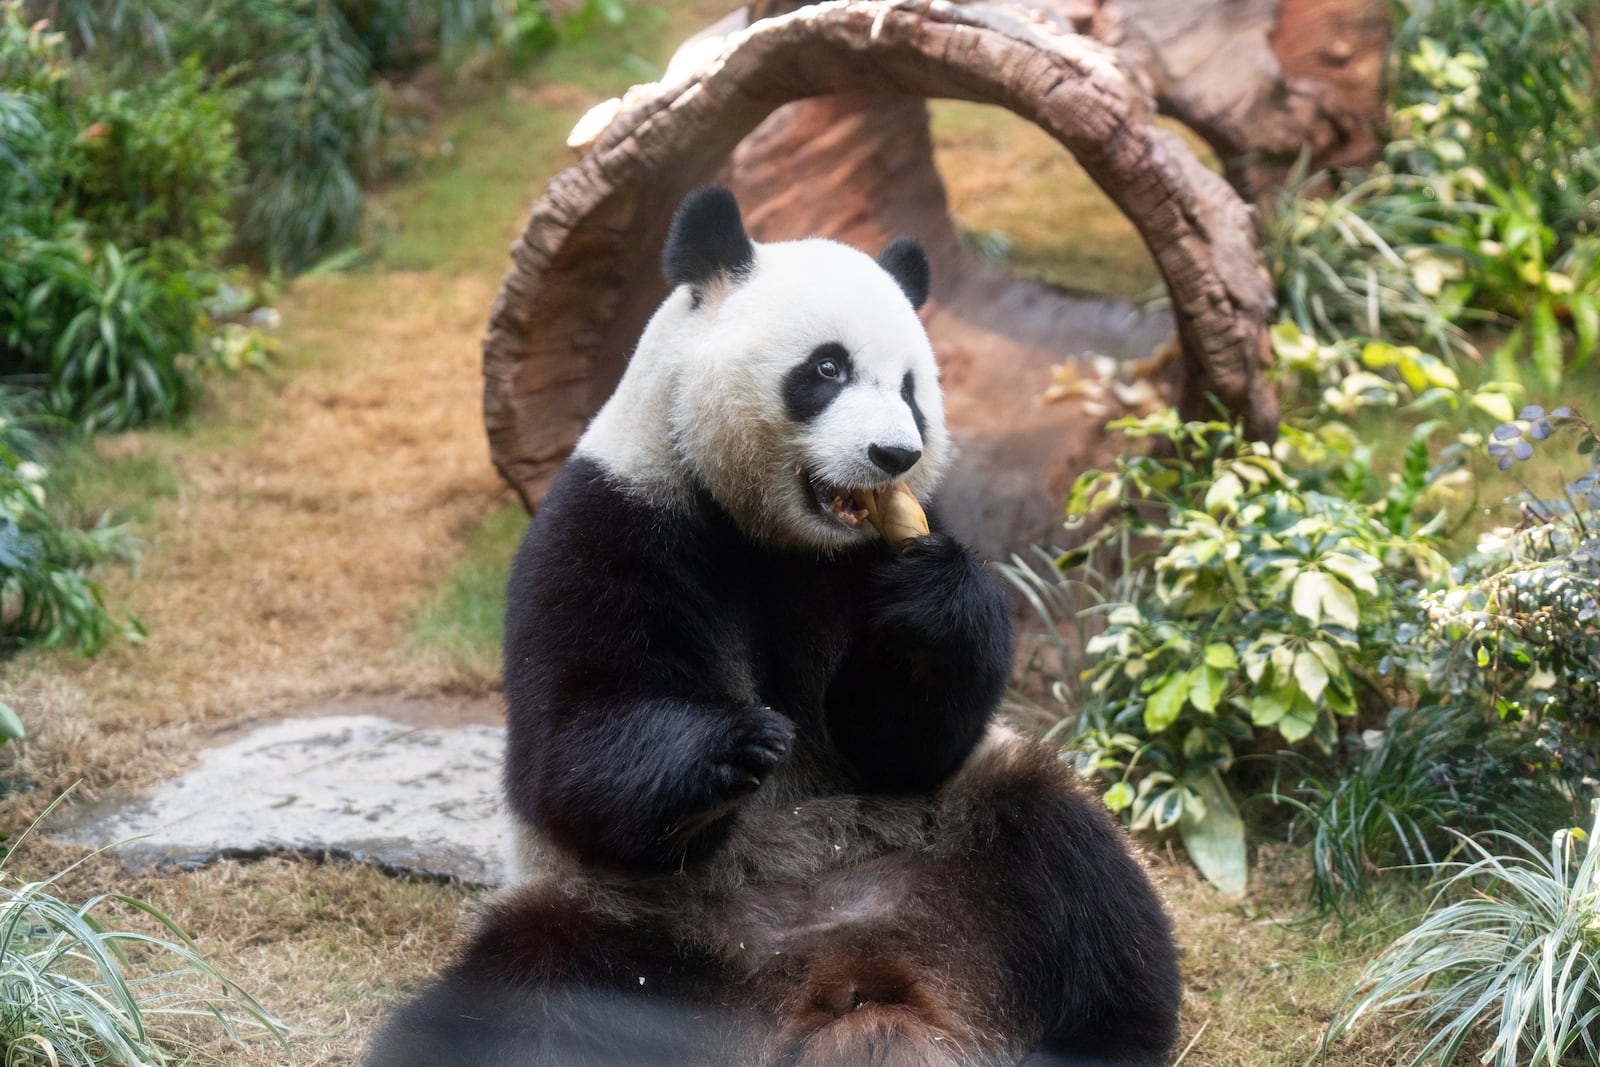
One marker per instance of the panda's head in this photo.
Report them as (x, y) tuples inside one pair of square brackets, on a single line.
[(801, 375)]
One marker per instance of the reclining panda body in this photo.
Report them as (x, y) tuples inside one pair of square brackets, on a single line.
[(765, 816)]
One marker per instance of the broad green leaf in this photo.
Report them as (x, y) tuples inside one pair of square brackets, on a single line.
[(1282, 663), (1311, 674), (1326, 653), (1216, 841), (1224, 491), (1269, 708), (1162, 708), (1298, 724), (1492, 397), (1206, 688), (1309, 591), (1119, 796), (11, 728), (1353, 569), (1377, 354), (1339, 603), (1293, 347), (1221, 656)]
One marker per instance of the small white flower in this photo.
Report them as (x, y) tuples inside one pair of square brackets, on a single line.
[(29, 471)]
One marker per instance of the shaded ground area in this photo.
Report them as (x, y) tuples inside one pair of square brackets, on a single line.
[(330, 537)]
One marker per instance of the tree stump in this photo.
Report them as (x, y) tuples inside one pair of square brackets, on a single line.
[(853, 160)]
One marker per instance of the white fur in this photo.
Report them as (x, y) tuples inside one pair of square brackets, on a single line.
[(702, 398)]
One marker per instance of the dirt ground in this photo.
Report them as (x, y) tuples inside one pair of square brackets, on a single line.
[(303, 518)]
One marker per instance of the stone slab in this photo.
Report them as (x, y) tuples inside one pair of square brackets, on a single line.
[(412, 799)]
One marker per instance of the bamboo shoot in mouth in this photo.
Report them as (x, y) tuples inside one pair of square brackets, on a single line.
[(896, 514)]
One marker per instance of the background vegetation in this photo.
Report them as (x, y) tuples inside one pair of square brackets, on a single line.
[(1376, 637), (151, 151)]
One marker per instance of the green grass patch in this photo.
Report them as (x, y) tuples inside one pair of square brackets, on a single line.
[(465, 211), (459, 212), (1018, 191), (87, 485), (462, 621)]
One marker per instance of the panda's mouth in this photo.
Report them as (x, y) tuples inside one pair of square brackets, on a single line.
[(840, 503)]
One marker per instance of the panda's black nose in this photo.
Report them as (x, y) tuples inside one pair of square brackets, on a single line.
[(893, 460)]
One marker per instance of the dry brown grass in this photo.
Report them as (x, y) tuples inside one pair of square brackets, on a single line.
[(313, 512)]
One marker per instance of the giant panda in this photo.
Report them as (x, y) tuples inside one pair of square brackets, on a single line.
[(766, 815)]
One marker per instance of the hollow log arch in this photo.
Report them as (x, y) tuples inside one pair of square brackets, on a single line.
[(585, 279)]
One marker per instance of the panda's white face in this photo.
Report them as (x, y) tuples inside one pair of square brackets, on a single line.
[(787, 380), (811, 382)]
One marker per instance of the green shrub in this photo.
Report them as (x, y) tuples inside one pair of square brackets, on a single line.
[(401, 36), (1401, 796), (1483, 220), (1520, 630), (77, 992), (46, 597), (1245, 601), (308, 121), (1506, 88), (1241, 627), (113, 210), (302, 90), (156, 167), (1503, 969)]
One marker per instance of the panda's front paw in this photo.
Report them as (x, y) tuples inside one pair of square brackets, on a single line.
[(936, 599), (932, 580), (753, 745)]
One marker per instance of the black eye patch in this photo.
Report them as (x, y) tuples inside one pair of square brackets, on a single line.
[(908, 393), (811, 384)]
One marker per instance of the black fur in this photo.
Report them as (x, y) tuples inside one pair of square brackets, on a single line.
[(1019, 887), (550, 982), (806, 391), (907, 264), (706, 239), (908, 393), (658, 668), (927, 667)]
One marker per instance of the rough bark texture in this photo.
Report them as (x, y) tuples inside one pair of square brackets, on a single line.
[(1260, 80), (585, 278)]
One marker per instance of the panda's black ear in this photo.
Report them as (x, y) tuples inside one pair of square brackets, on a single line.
[(706, 239), (907, 264)]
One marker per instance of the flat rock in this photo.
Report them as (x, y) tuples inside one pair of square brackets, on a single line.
[(415, 799)]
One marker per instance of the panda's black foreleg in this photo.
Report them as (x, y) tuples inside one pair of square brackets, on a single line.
[(926, 670), (644, 782)]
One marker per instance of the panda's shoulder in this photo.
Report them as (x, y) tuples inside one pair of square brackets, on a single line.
[(596, 529)]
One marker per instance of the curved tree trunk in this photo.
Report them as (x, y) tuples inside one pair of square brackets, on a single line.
[(585, 277), (1261, 80)]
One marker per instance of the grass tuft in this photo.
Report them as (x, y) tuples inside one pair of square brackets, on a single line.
[(463, 619), (1507, 972), (75, 993)]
